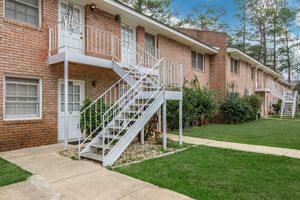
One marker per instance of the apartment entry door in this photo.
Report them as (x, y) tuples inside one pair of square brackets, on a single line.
[(127, 46), (70, 27), (76, 98)]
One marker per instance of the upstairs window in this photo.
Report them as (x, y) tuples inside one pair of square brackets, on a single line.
[(150, 43), (197, 61), (27, 11), (234, 66), (22, 98), (252, 73)]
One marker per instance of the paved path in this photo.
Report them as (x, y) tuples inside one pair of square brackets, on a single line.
[(56, 177), (241, 147)]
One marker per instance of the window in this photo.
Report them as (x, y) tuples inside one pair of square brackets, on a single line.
[(22, 98), (252, 73), (27, 11), (73, 98), (197, 61), (150, 43), (234, 66)]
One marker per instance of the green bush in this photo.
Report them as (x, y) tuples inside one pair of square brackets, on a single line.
[(277, 107), (255, 102), (238, 109), (198, 106), (93, 115)]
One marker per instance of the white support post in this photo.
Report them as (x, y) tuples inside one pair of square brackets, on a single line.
[(180, 122), (159, 119), (66, 86), (165, 125), (143, 136)]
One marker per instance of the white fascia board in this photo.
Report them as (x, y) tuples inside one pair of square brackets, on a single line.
[(129, 11), (252, 61)]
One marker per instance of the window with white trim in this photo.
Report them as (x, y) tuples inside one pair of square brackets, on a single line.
[(27, 11), (197, 61), (252, 73), (150, 43), (22, 98), (234, 66)]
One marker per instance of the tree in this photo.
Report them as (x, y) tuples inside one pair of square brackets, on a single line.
[(204, 17), (157, 9), (238, 38)]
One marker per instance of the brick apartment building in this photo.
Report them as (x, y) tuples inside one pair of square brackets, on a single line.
[(47, 43)]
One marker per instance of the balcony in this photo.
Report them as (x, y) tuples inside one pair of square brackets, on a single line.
[(93, 46)]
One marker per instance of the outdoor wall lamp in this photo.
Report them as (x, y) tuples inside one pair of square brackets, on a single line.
[(94, 83), (92, 7), (117, 18)]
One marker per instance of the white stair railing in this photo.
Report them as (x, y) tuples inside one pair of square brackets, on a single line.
[(165, 75), (91, 116), (138, 89), (295, 103)]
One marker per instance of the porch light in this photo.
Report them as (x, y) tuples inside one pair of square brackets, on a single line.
[(92, 7), (117, 18), (94, 83)]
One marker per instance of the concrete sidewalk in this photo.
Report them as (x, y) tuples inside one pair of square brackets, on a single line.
[(57, 177), (293, 153)]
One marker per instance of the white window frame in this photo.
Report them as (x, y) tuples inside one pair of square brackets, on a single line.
[(155, 42), (232, 60), (40, 97), (252, 72), (40, 7), (203, 61)]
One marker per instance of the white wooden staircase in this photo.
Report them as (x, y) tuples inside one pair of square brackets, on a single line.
[(289, 105), (117, 116)]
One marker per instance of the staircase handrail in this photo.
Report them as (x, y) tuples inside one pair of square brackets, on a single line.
[(129, 95), (102, 96)]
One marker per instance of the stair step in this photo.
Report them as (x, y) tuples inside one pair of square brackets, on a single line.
[(111, 136), (118, 127), (100, 145), (92, 156), (126, 119)]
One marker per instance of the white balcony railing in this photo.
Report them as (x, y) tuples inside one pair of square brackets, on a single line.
[(96, 42)]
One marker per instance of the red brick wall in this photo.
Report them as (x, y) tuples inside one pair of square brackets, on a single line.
[(243, 78), (99, 25), (217, 80), (140, 34), (173, 50), (24, 51)]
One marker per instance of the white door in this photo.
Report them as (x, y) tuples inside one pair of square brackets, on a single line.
[(76, 98), (71, 27), (128, 45)]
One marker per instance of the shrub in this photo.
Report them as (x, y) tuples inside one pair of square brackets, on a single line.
[(198, 106), (277, 107), (93, 114), (240, 109), (255, 102)]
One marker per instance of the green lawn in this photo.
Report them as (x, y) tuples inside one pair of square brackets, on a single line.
[(10, 173), (269, 132), (212, 173)]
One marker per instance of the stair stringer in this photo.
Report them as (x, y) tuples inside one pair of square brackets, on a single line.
[(122, 73), (132, 132)]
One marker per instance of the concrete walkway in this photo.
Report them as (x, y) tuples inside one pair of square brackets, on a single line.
[(56, 177), (241, 147)]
